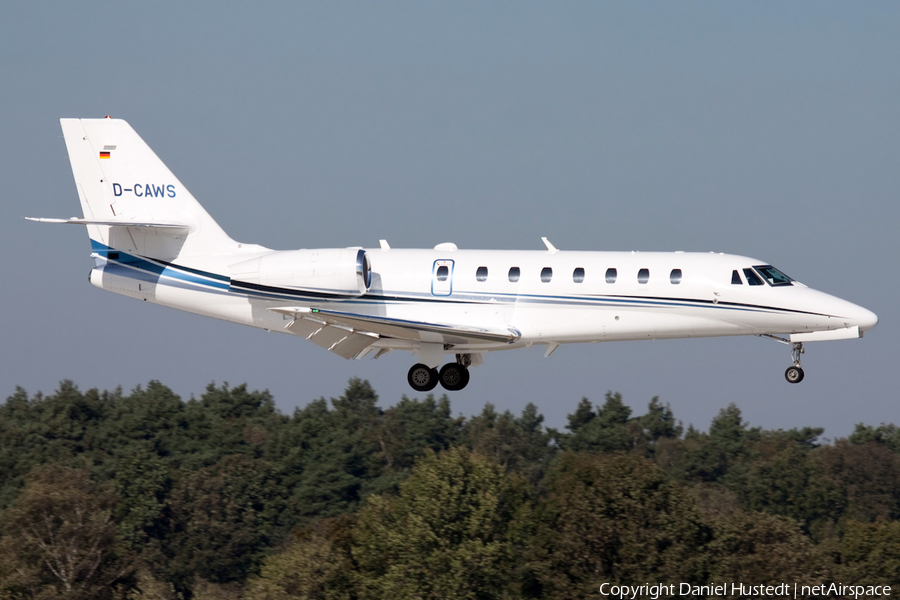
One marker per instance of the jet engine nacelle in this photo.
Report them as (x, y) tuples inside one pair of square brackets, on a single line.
[(336, 272)]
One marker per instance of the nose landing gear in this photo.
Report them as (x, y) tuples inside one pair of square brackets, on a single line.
[(794, 373)]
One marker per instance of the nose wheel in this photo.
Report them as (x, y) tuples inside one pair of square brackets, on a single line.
[(794, 373)]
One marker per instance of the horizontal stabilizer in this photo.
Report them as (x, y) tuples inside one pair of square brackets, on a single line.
[(77, 221), (400, 328)]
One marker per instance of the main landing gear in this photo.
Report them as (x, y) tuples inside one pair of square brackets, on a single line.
[(452, 376), (794, 373)]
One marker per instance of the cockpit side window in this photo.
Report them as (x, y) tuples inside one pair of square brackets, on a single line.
[(736, 278), (752, 277), (773, 276)]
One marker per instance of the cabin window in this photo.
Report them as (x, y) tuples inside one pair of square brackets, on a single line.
[(443, 272), (773, 276), (675, 276), (578, 275), (736, 278), (610, 276), (514, 274), (752, 278), (643, 275), (546, 274), (481, 274)]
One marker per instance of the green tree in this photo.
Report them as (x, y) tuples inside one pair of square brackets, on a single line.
[(870, 554), (518, 444), (221, 521), (887, 435), (53, 429), (764, 549), (315, 565), (333, 456), (612, 518), (659, 422), (142, 484), (412, 426), (606, 430), (866, 477), (724, 451), (787, 479), (452, 532), (59, 538), (584, 414)]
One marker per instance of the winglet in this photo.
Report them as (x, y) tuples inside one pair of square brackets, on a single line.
[(550, 247)]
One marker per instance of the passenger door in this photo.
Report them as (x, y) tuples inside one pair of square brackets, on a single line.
[(442, 278)]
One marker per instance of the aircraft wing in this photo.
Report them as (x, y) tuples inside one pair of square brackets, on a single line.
[(347, 334)]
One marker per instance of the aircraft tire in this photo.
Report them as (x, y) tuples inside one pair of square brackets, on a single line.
[(422, 378), (465, 380), (794, 374), (454, 376)]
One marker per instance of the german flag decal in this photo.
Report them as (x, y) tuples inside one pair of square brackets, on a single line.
[(104, 155)]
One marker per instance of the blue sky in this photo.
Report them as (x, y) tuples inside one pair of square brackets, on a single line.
[(765, 129)]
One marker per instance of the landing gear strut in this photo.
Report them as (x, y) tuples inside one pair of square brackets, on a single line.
[(794, 373)]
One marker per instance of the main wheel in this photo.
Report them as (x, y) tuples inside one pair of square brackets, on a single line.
[(794, 374), (454, 376), (422, 378)]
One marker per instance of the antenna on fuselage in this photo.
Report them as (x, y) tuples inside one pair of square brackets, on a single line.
[(550, 247)]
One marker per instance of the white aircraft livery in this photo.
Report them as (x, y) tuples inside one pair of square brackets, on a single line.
[(153, 241)]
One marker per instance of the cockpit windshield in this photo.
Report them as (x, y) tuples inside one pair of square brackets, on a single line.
[(773, 276)]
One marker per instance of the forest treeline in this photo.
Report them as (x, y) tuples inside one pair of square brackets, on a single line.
[(147, 496)]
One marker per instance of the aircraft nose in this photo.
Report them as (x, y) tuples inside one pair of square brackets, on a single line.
[(857, 315), (866, 319)]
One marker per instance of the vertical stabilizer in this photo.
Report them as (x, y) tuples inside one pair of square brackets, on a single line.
[(119, 178)]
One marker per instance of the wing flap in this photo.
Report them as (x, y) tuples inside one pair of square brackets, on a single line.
[(343, 341), (353, 344), (399, 328)]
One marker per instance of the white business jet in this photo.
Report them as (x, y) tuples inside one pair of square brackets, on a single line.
[(153, 241)]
